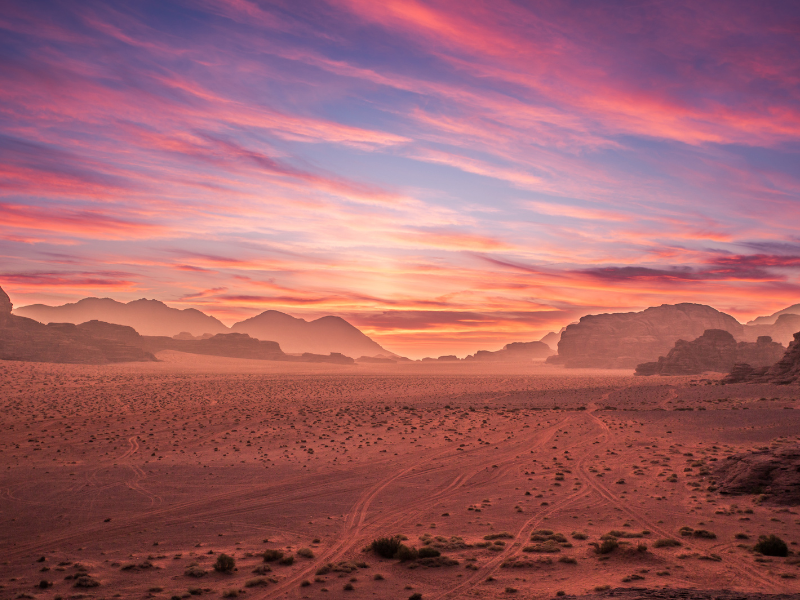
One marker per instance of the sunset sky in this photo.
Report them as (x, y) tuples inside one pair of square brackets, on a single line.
[(446, 175)]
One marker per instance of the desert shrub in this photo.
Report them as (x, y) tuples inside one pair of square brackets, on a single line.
[(415, 596), (666, 543), (568, 560), (44, 584), (742, 536), (230, 594), (771, 545), (686, 531), (224, 564), (549, 547), (704, 533), (348, 587), (406, 553), (287, 560), (305, 583), (305, 553), (85, 581), (262, 570), (577, 535), (641, 547), (427, 552), (607, 546), (386, 547), (377, 577), (194, 571), (256, 582), (272, 555), (498, 536)]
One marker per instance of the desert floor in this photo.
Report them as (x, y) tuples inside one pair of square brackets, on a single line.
[(134, 474)]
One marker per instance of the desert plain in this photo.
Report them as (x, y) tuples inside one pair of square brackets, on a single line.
[(134, 478)]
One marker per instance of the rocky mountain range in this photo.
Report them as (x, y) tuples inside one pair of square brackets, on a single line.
[(716, 350), (154, 318), (624, 340)]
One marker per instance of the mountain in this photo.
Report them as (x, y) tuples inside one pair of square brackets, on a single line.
[(716, 350), (514, 352), (623, 340), (25, 339), (321, 336), (148, 317), (769, 320), (785, 371), (552, 339)]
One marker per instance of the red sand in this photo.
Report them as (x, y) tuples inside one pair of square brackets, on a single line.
[(115, 468)]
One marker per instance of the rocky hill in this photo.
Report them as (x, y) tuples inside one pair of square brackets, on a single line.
[(514, 352), (715, 350), (321, 336), (29, 340), (148, 317), (624, 340), (783, 372)]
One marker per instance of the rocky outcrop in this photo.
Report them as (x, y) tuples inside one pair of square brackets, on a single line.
[(774, 472), (715, 350), (148, 317), (783, 372), (514, 352), (782, 330), (28, 340), (624, 340), (5, 305), (771, 319), (321, 336)]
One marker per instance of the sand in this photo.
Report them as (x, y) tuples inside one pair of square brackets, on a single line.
[(133, 475)]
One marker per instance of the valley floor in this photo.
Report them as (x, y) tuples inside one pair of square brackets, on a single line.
[(131, 475)]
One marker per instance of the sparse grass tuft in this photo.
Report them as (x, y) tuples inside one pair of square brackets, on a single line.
[(386, 547)]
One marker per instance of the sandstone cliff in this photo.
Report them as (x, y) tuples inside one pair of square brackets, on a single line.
[(715, 350), (785, 371), (624, 340)]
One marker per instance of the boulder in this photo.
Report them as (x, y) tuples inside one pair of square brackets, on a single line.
[(624, 340), (715, 350), (774, 473)]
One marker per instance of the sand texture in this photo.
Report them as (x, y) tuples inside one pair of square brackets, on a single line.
[(136, 477)]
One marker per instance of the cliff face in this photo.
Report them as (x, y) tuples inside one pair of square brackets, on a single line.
[(715, 350), (785, 371), (623, 340)]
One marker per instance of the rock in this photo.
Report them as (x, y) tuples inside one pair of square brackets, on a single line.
[(514, 352), (624, 340), (783, 372), (376, 359), (28, 340), (773, 472), (781, 330), (5, 304), (715, 350)]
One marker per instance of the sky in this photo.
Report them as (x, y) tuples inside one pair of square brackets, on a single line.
[(446, 175)]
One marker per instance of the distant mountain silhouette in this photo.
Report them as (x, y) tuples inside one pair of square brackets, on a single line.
[(322, 336), (147, 317), (770, 319)]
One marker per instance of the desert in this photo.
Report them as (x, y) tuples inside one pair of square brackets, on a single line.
[(137, 477)]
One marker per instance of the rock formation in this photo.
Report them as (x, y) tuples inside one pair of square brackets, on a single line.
[(624, 340), (321, 336), (29, 340), (715, 350), (514, 352), (774, 473), (148, 317), (785, 371), (771, 319), (782, 330)]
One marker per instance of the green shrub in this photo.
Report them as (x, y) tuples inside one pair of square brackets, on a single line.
[(406, 553), (224, 564), (272, 555), (386, 547), (771, 545), (607, 546)]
